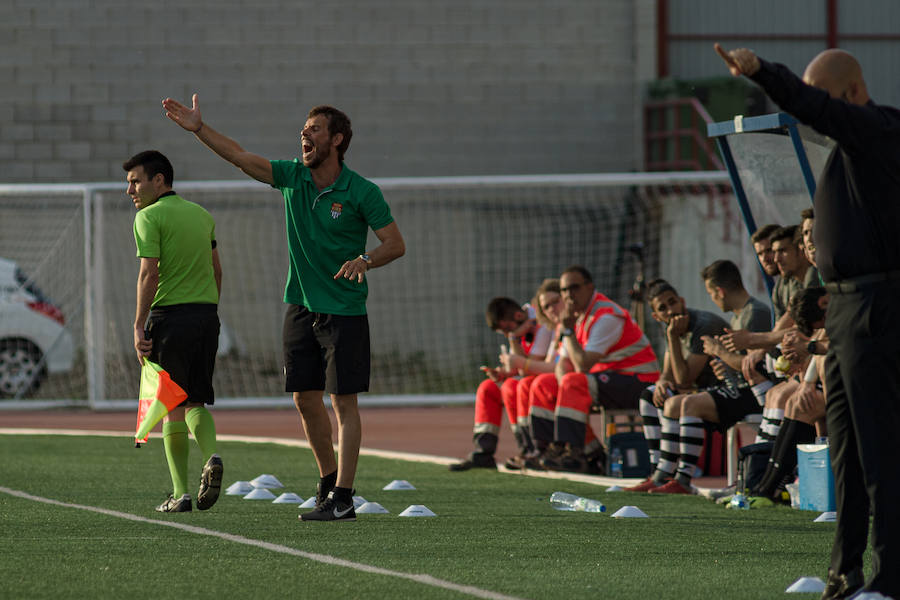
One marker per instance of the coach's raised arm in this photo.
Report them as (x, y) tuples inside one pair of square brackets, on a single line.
[(254, 165)]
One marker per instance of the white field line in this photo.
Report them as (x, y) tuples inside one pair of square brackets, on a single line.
[(598, 480), (238, 539)]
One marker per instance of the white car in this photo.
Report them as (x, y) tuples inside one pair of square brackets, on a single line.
[(33, 338)]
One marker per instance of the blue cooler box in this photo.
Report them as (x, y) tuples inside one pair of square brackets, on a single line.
[(816, 480)]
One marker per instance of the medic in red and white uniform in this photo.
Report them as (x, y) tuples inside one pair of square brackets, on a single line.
[(607, 361), (527, 338)]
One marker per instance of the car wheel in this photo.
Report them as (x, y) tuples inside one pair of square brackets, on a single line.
[(21, 368)]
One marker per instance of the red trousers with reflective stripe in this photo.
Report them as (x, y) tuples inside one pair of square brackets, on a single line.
[(546, 393), (491, 398), (523, 400)]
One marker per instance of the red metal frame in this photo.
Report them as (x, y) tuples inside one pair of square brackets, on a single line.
[(832, 36), (664, 129)]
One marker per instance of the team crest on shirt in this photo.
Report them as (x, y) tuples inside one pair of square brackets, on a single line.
[(604, 378), (336, 208)]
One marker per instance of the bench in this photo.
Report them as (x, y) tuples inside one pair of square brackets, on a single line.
[(616, 420)]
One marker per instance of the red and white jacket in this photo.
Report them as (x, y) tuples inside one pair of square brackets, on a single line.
[(631, 354)]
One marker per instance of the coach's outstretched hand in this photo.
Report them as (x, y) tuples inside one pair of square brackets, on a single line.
[(740, 61), (188, 118)]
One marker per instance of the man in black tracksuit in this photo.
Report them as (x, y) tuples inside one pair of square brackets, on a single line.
[(857, 237)]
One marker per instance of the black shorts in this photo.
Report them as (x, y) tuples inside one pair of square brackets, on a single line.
[(185, 340), (733, 404), (617, 390), (325, 352)]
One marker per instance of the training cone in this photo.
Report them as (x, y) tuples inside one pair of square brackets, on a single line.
[(614, 488), (288, 498), (239, 488), (630, 511), (417, 510), (266, 481), (358, 501), (399, 484), (259, 494), (826, 517), (371, 508), (870, 596), (807, 585), (310, 502)]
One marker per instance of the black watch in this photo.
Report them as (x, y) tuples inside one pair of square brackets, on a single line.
[(811, 346), (566, 332)]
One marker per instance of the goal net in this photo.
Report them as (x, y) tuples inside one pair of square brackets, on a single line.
[(467, 239)]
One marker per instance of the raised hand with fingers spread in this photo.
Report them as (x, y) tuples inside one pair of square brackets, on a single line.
[(188, 118)]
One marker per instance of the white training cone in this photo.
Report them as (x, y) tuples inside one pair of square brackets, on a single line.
[(807, 585), (259, 494), (630, 511), (239, 488), (266, 481), (399, 484), (310, 502), (869, 596), (614, 488), (828, 516), (417, 510), (372, 508), (288, 498), (358, 501)]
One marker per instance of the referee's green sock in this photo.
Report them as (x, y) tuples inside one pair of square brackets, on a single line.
[(203, 427), (175, 440)]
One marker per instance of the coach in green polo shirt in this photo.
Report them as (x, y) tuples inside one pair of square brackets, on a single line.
[(329, 211)]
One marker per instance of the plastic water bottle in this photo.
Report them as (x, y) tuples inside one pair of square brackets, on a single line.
[(731, 377), (615, 462), (822, 439), (740, 501), (571, 502)]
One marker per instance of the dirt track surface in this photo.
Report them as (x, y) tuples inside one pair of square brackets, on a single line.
[(441, 431)]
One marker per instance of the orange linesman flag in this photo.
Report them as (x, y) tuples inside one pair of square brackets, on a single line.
[(158, 395)]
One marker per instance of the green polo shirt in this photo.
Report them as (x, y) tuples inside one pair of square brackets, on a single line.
[(180, 234), (326, 228)]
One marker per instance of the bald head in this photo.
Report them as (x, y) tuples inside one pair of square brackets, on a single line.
[(838, 73)]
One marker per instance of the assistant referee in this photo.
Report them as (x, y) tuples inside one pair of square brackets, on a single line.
[(857, 204)]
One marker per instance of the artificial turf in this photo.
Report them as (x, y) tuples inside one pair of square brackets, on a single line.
[(494, 532)]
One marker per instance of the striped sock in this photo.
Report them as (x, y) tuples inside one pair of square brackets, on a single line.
[(691, 435), (759, 390), (770, 424), (668, 449), (652, 431)]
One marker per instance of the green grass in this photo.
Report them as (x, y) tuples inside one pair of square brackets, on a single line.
[(495, 532)]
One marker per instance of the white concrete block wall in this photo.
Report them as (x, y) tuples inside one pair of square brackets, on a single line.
[(434, 87)]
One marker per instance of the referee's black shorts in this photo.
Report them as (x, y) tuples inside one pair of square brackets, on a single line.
[(325, 352), (185, 340)]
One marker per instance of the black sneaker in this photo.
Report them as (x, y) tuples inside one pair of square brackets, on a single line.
[(171, 505), (331, 510), (476, 460), (210, 482)]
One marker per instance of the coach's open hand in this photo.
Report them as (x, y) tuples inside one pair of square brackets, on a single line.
[(189, 118), (740, 62), (351, 269)]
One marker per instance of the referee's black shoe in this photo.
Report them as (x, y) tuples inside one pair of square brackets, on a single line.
[(210, 482)]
